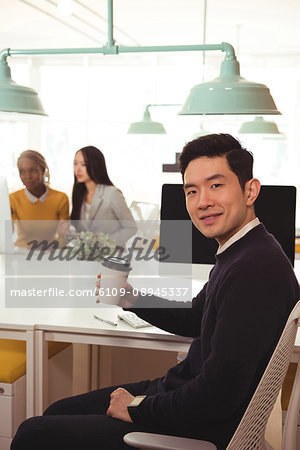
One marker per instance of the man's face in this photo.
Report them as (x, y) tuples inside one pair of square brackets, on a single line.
[(215, 200)]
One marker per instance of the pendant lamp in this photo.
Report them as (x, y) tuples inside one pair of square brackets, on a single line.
[(259, 125), (229, 94), (17, 98), (147, 125)]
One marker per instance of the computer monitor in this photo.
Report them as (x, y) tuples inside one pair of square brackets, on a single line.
[(6, 233), (275, 207)]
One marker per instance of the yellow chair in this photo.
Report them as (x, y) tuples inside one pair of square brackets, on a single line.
[(13, 358)]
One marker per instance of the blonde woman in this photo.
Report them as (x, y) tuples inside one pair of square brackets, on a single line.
[(36, 202)]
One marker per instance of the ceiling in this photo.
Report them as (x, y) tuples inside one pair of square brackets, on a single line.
[(268, 27)]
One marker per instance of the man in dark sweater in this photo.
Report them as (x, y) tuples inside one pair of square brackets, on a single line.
[(236, 321)]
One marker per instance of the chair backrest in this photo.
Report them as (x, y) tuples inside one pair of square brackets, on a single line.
[(147, 219), (250, 432), (144, 210)]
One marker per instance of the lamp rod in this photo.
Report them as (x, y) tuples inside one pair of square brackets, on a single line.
[(112, 49), (115, 49), (204, 36), (110, 30), (147, 107), (162, 104), (224, 47)]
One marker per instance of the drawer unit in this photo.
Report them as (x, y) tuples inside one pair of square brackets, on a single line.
[(12, 409)]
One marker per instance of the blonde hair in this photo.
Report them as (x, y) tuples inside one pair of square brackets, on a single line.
[(40, 160)]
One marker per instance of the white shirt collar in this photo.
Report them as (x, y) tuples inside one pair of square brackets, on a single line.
[(33, 199), (249, 226)]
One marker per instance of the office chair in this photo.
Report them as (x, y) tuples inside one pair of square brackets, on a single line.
[(251, 431), (147, 219), (144, 210)]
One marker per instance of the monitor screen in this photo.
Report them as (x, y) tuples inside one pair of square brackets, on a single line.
[(275, 207)]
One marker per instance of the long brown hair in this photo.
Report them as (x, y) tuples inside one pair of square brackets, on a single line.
[(96, 169)]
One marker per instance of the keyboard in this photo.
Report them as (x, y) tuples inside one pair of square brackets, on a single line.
[(133, 320)]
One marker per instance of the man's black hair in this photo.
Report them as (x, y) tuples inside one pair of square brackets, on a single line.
[(239, 159)]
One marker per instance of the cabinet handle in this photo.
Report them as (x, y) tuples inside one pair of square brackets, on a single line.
[(1, 390)]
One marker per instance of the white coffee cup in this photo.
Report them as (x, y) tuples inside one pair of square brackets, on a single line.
[(114, 274)]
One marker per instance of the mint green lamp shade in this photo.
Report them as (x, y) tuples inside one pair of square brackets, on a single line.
[(146, 126), (17, 98), (259, 125), (229, 94)]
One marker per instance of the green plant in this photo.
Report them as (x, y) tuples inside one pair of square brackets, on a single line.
[(92, 247)]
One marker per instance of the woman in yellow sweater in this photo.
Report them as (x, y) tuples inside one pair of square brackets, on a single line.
[(37, 202)]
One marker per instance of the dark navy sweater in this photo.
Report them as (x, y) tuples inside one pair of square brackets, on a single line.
[(236, 321)]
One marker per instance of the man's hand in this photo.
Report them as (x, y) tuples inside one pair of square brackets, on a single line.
[(127, 300), (119, 400)]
